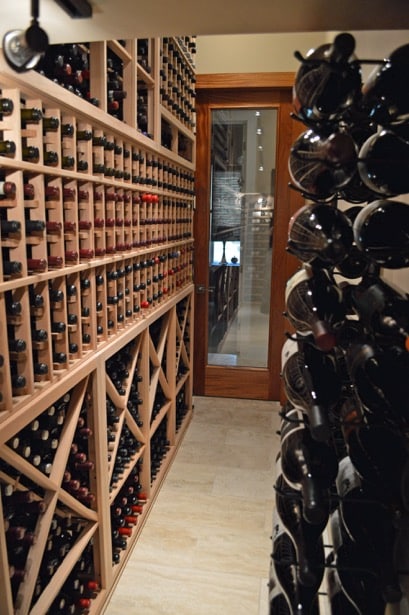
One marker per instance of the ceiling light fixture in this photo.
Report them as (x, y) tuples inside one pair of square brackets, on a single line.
[(23, 49)]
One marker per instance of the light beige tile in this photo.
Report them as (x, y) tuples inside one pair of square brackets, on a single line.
[(206, 544), (223, 552), (241, 482), (189, 477), (162, 590), (229, 455)]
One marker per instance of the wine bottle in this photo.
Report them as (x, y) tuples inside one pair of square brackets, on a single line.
[(382, 309), (383, 163), (34, 226), (277, 601), (339, 602), (314, 303), (8, 227), (308, 466), (359, 580), (31, 115), (312, 383), (307, 538), (321, 233), (384, 93), (7, 189), (300, 598), (7, 148), (381, 231), (67, 130), (6, 106), (321, 164), (30, 153), (50, 124), (379, 453), (360, 129), (369, 524), (356, 263), (328, 81)]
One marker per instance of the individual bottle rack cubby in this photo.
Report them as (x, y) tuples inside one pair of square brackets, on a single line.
[(341, 514), (96, 302)]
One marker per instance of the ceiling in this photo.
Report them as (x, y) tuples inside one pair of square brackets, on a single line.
[(115, 19)]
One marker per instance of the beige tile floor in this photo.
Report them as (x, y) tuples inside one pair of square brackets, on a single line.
[(206, 544)]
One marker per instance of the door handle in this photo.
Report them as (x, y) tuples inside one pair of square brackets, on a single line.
[(201, 289)]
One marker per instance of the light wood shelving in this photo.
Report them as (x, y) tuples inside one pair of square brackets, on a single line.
[(96, 313)]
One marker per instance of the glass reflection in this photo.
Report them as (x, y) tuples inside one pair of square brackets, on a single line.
[(240, 247)]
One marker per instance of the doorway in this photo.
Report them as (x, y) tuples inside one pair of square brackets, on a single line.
[(243, 205)]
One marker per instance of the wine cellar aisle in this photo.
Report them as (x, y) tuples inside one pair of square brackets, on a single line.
[(203, 548), (96, 310)]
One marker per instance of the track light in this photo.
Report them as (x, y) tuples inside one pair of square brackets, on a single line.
[(23, 49)]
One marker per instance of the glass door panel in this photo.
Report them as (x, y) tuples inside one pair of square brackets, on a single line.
[(243, 163)]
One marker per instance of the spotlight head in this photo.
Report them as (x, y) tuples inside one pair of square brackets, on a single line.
[(23, 49), (36, 38)]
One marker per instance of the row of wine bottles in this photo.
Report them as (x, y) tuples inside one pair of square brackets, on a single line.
[(58, 322), (58, 140), (177, 85), (35, 242), (341, 481), (356, 146)]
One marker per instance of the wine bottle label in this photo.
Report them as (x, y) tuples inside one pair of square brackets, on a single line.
[(294, 423), (290, 347), (298, 277), (347, 478), (336, 530)]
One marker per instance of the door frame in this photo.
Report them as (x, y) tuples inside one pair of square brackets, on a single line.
[(215, 91)]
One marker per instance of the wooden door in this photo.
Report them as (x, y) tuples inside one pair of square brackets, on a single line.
[(215, 284)]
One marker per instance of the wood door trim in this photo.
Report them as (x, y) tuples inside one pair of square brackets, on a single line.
[(255, 383), (222, 382), (244, 80)]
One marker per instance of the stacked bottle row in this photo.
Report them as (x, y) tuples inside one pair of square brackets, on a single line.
[(126, 437), (55, 234), (343, 465), (34, 132), (177, 80), (55, 322), (125, 511)]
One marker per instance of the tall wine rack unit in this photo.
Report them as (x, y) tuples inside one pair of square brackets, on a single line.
[(96, 306)]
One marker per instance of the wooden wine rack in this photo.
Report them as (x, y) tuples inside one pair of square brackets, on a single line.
[(105, 310)]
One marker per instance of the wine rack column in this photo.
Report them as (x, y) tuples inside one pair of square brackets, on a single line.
[(97, 265), (344, 435)]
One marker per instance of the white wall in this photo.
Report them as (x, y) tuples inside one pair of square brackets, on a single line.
[(254, 53)]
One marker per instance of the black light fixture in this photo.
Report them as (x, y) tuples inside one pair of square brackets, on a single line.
[(23, 49)]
